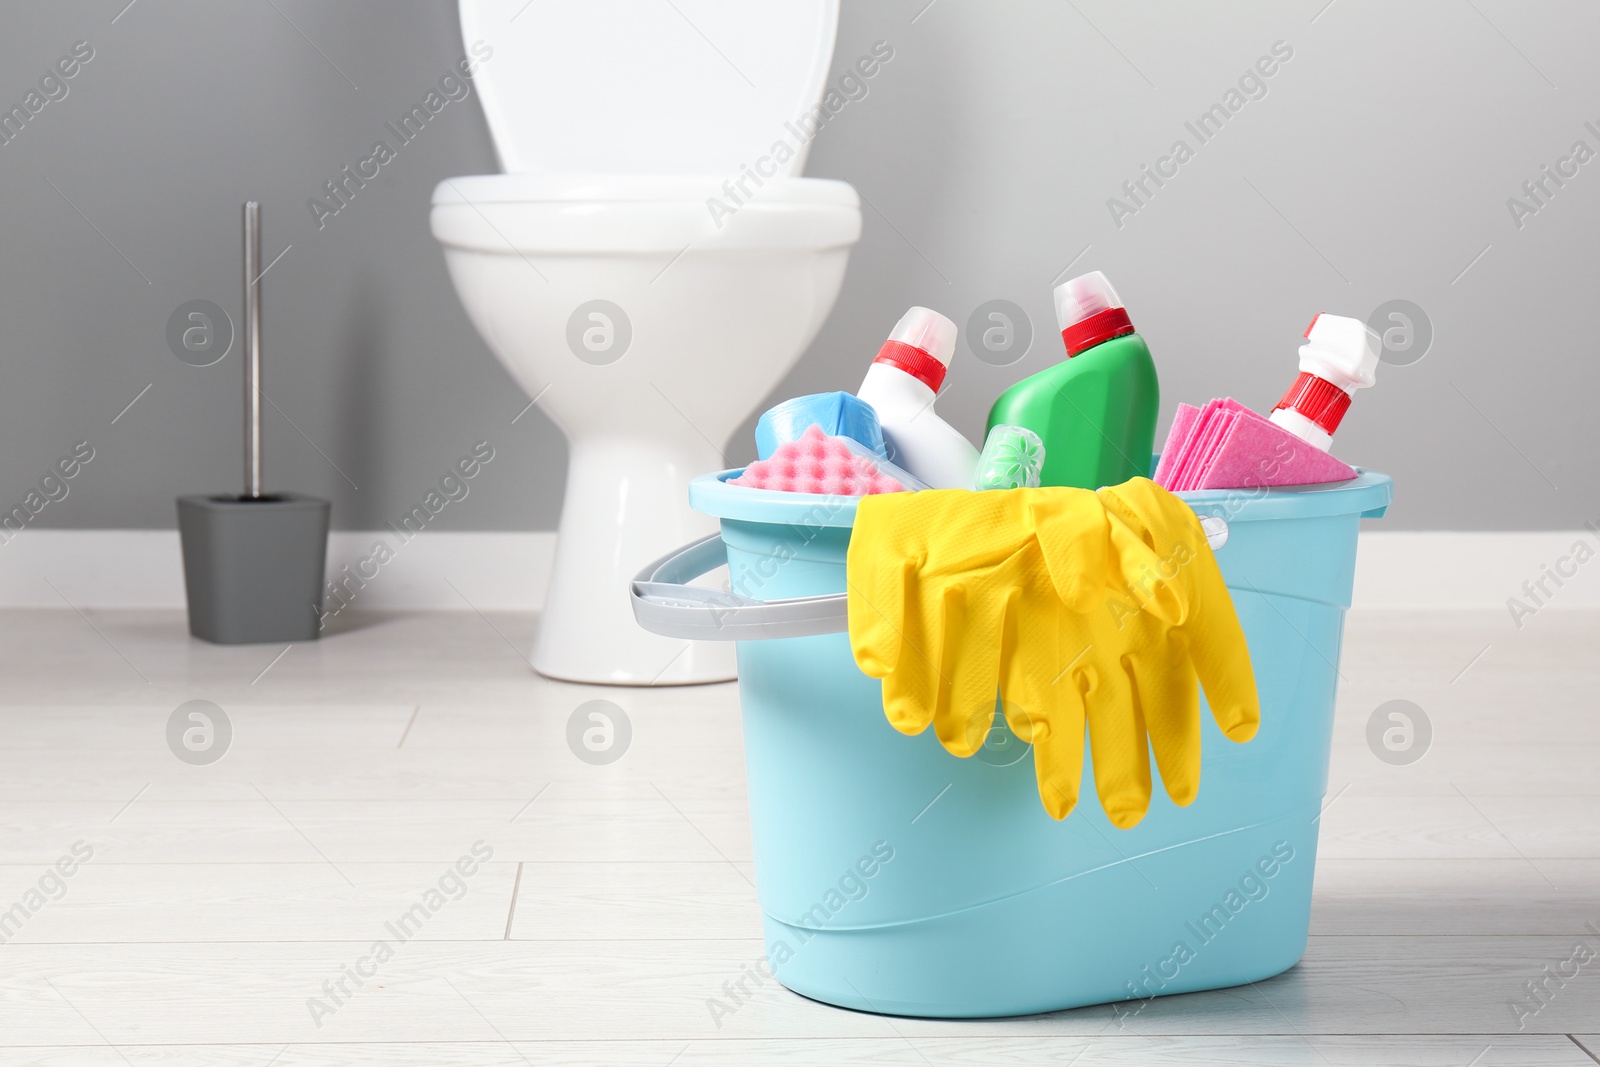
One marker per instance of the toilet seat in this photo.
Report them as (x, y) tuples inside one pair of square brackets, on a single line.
[(606, 213), (547, 187)]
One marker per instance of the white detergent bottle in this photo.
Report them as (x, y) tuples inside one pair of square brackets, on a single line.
[(902, 384), (1340, 356)]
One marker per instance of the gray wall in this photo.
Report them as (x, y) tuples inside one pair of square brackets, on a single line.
[(1376, 167)]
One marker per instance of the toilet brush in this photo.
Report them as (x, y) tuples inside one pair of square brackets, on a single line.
[(253, 563)]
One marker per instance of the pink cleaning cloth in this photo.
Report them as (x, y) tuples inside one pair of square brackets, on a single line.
[(1177, 438), (1190, 456), (1209, 432), (817, 463), (1226, 445)]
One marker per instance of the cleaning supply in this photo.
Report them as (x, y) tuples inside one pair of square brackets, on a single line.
[(954, 594), (902, 384), (1225, 445), (1080, 608), (1133, 670), (1161, 660), (820, 463), (1340, 356), (839, 415), (990, 908), (1096, 411), (1175, 451), (1012, 458)]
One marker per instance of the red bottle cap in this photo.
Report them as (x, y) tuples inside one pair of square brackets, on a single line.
[(1340, 356), (921, 344), (1089, 313), (1317, 399)]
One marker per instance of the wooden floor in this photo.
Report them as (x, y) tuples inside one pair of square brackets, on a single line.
[(219, 899)]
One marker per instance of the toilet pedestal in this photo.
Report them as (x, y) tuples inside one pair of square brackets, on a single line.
[(626, 503)]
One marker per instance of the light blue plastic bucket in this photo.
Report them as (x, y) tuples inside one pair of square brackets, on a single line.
[(894, 877)]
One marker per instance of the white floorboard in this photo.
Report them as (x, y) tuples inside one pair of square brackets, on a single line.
[(619, 898), (1321, 1050), (599, 990)]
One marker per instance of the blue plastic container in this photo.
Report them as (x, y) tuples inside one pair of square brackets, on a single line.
[(894, 877)]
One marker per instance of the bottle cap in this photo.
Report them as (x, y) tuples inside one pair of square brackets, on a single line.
[(1340, 356), (1088, 312), (921, 344), (1341, 350)]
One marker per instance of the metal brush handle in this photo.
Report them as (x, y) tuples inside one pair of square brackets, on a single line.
[(252, 349)]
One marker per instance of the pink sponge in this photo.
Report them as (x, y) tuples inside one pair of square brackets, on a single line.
[(817, 463), (1226, 445)]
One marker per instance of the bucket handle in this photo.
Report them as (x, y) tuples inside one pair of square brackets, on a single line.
[(665, 604)]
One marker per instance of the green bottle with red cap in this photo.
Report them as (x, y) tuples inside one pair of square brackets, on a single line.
[(1095, 412)]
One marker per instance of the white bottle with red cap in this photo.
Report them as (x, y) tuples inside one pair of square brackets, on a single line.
[(1339, 357), (902, 384)]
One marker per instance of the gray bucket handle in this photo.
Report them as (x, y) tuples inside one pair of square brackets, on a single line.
[(665, 604)]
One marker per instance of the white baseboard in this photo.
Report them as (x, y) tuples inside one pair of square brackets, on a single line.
[(144, 569), (510, 571)]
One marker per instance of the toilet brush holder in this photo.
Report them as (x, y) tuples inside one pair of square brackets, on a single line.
[(253, 567), (253, 564)]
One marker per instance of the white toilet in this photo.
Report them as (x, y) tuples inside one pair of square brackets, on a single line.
[(647, 269)]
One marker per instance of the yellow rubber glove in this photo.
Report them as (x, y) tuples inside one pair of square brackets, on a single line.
[(1134, 670), (955, 594), (1099, 610), (1209, 631)]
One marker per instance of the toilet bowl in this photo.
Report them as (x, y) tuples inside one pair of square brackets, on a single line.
[(647, 271)]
